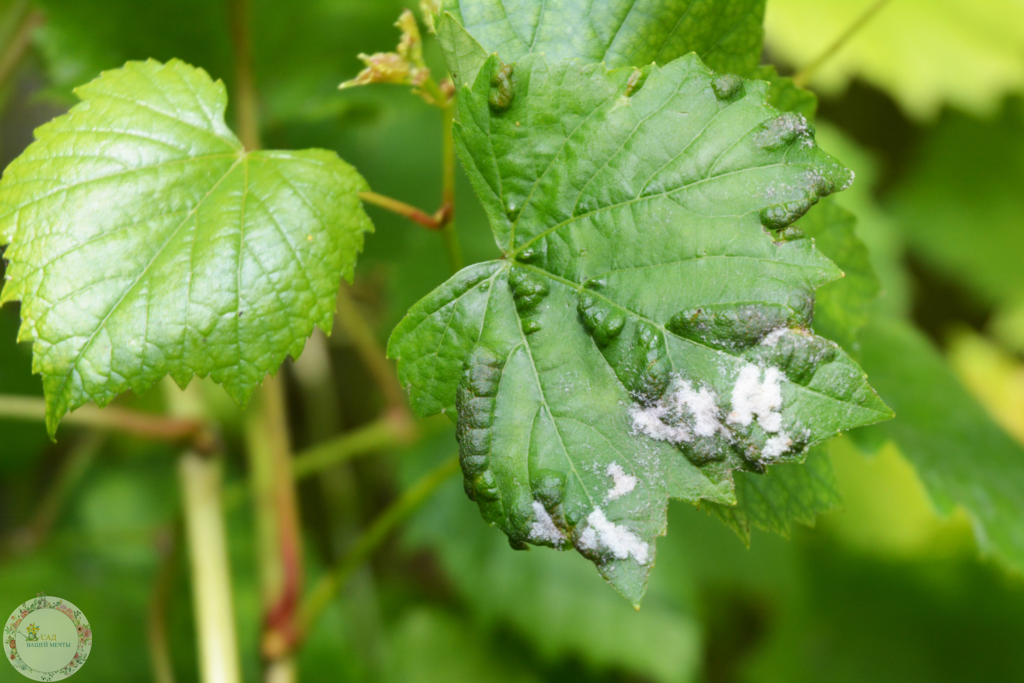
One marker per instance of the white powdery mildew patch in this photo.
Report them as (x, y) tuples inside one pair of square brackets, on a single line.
[(681, 399), (773, 337), (620, 541), (543, 528), (752, 397), (622, 483), (776, 446)]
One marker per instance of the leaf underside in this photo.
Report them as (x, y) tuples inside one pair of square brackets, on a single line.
[(145, 241), (645, 334)]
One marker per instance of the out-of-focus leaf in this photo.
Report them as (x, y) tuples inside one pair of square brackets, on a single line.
[(841, 307), (641, 269), (785, 494), (430, 646), (886, 511), (960, 206), (874, 226), (994, 376), (923, 53), (726, 35), (961, 455), (145, 241), (925, 621), (297, 77)]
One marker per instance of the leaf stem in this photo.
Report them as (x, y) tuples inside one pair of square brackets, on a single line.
[(448, 169), (246, 98), (211, 576), (25, 20), (804, 76), (198, 434), (435, 221), (371, 540)]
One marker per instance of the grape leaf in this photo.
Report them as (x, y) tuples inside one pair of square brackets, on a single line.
[(145, 241), (643, 314), (725, 33), (961, 455), (923, 53)]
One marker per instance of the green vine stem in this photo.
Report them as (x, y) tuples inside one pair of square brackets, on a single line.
[(392, 430), (371, 540), (211, 576), (277, 521), (448, 170)]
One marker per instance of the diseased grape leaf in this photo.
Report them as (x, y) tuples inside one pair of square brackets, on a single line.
[(725, 33), (145, 241), (644, 335), (923, 53)]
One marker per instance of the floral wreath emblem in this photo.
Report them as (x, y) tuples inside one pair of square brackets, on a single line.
[(30, 633)]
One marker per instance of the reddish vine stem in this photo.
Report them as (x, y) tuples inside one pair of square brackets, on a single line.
[(197, 434), (435, 221)]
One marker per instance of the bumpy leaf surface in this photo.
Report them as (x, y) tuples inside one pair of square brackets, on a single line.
[(644, 335), (144, 240), (725, 33)]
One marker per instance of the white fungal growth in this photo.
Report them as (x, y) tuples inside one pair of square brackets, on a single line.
[(773, 337), (752, 398), (776, 446), (622, 483), (650, 421), (618, 540), (663, 420), (543, 527)]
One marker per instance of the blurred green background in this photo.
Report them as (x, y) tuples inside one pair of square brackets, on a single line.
[(914, 574)]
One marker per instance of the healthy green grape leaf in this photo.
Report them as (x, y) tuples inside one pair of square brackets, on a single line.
[(781, 496), (923, 53), (645, 335), (961, 455), (145, 241), (725, 33)]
